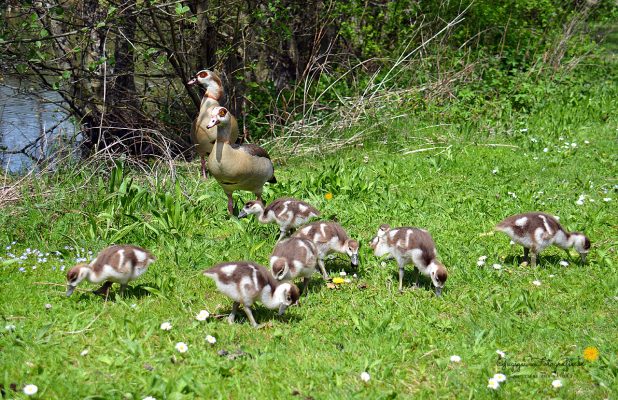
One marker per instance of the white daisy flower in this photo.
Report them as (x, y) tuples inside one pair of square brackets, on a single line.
[(494, 171), (480, 263), (48, 306), (556, 383), (501, 353), (365, 376), (30, 390), (536, 283), (182, 347), (166, 326), (545, 150), (202, 315), (84, 353), (342, 273), (607, 199), (455, 359), (211, 339), (500, 378), (149, 398), (587, 142), (496, 266), (355, 276), (10, 327), (552, 275), (482, 258), (573, 144), (493, 384), (579, 202), (564, 263), (383, 264)]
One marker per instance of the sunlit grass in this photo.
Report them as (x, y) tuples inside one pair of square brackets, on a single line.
[(562, 161)]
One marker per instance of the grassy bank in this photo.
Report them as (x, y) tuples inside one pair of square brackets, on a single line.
[(455, 170)]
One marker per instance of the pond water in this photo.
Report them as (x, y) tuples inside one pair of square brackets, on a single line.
[(33, 121)]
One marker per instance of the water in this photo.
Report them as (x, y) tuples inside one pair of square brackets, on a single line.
[(33, 120)]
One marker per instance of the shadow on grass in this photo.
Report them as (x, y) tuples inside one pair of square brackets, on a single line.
[(263, 315), (131, 291), (409, 281), (543, 261)]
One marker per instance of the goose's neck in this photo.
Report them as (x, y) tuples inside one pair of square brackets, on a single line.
[(563, 239), (214, 92), (265, 217), (223, 133), (269, 298)]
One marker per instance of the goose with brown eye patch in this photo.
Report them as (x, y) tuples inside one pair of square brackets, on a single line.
[(115, 264), (246, 282), (329, 237), (410, 245), (535, 231), (288, 213), (237, 167), (203, 137)]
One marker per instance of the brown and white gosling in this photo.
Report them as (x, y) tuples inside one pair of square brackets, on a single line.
[(118, 263), (536, 231), (237, 167), (288, 213), (292, 258), (329, 237), (246, 282), (411, 246), (203, 137)]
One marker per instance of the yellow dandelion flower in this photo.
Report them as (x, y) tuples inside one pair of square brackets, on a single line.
[(338, 280), (328, 196), (591, 353)]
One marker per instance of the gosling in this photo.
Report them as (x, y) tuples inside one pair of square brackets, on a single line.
[(118, 263), (245, 282), (535, 231), (411, 246), (292, 258), (288, 213), (329, 237)]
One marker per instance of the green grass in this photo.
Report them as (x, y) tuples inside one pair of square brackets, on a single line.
[(479, 172)]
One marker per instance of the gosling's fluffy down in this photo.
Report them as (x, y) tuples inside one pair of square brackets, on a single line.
[(118, 263)]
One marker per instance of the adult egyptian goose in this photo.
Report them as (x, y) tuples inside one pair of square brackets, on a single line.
[(246, 282), (118, 263), (287, 212), (329, 237), (535, 231), (411, 246), (203, 137), (237, 167), (292, 258)]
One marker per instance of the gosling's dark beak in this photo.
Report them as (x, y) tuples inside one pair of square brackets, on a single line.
[(282, 308), (438, 291), (354, 260), (70, 290), (192, 82), (242, 214)]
